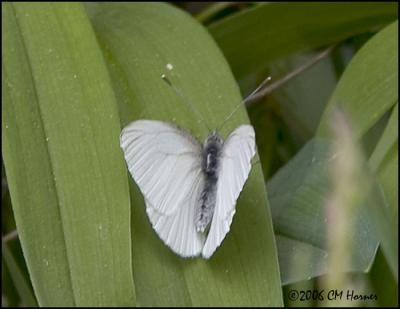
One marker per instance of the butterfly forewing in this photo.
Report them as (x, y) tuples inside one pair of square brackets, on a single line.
[(163, 160)]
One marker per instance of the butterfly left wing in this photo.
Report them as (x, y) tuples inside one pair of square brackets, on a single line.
[(165, 163), (163, 160), (178, 231), (235, 166)]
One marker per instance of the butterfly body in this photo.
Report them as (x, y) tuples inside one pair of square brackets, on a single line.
[(190, 189), (211, 154)]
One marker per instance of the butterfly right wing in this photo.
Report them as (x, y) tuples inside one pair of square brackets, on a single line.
[(165, 162), (235, 166)]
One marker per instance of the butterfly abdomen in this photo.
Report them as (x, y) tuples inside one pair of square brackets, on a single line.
[(210, 163)]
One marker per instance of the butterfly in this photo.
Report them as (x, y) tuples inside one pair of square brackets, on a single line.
[(190, 188)]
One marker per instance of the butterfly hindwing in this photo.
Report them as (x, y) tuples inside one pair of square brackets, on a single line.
[(177, 230)]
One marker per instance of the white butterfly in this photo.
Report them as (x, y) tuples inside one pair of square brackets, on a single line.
[(188, 188)]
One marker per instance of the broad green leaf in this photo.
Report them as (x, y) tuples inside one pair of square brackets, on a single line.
[(298, 193), (387, 140), (62, 159), (384, 161), (138, 41), (371, 138), (388, 178), (368, 87), (252, 39)]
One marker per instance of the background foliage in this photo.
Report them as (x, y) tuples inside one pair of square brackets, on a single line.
[(320, 209)]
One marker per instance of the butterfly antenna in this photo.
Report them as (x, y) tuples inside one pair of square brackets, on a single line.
[(184, 98), (244, 102)]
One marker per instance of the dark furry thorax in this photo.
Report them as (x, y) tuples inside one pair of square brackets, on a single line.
[(211, 155), (211, 152)]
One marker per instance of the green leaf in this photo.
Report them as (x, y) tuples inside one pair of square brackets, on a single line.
[(138, 41), (62, 159), (368, 87), (384, 161), (211, 10), (388, 178), (299, 190), (298, 194), (386, 142), (308, 90), (383, 282), (279, 119), (366, 91), (252, 39)]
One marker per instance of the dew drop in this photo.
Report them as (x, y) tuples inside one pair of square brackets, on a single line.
[(333, 157), (313, 160)]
